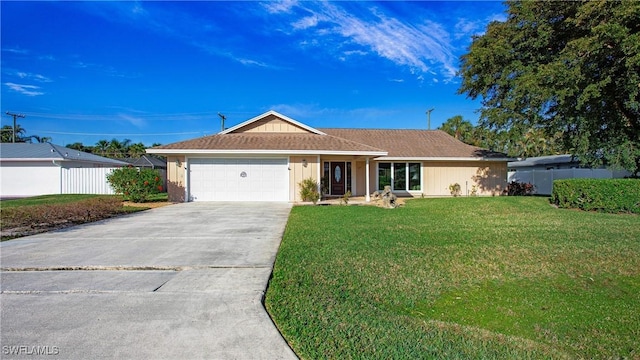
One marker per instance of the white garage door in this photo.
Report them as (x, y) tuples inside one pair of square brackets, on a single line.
[(239, 179)]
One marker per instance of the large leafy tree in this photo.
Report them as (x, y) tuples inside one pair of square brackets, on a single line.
[(569, 67), (533, 142)]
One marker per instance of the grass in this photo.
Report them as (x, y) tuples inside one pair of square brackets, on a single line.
[(506, 277), (159, 197), (46, 199)]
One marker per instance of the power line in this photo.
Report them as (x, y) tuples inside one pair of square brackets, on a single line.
[(110, 134), (13, 136), (124, 115)]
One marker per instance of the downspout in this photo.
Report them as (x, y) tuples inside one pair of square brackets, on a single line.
[(186, 180)]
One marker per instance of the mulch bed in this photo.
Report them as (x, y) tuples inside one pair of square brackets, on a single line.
[(33, 229)]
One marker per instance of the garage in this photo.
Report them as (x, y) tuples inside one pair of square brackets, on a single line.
[(225, 179)]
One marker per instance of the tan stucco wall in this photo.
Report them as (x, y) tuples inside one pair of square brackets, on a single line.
[(489, 177), (361, 180), (271, 124), (299, 172), (175, 178)]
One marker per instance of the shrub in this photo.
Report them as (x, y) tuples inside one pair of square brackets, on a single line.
[(309, 190), (604, 195), (454, 189), (345, 198), (515, 188), (134, 184)]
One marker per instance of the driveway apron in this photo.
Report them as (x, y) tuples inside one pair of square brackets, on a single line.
[(184, 281)]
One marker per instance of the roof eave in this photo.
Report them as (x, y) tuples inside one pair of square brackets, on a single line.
[(115, 162), (438, 158), (264, 152), (275, 113)]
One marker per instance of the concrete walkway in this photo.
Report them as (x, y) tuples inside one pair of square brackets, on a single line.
[(178, 282)]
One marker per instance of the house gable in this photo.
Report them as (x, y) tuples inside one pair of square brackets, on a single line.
[(271, 122)]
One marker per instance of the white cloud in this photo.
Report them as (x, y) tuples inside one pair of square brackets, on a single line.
[(418, 46), (497, 17), (16, 51), (136, 121), (36, 77), (305, 112), (28, 90), (276, 7), (305, 22), (466, 28), (249, 62), (355, 52)]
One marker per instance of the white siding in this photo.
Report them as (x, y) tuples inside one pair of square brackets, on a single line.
[(32, 179)]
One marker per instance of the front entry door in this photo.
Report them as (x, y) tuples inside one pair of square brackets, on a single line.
[(338, 175)]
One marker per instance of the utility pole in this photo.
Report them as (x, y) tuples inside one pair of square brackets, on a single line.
[(13, 137), (429, 118), (222, 119)]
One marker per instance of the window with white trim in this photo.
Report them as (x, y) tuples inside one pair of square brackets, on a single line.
[(401, 176)]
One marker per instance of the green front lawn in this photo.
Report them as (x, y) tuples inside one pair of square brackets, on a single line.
[(505, 277)]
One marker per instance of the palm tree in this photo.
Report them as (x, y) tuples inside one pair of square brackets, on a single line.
[(40, 139), (118, 149), (102, 146), (7, 133), (76, 146), (458, 128), (114, 149), (137, 150)]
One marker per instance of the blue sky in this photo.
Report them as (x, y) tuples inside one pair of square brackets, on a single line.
[(162, 71)]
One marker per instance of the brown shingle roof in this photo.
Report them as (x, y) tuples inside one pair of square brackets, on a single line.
[(271, 141), (414, 143)]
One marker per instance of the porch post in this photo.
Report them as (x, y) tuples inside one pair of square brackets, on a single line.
[(319, 176), (367, 196)]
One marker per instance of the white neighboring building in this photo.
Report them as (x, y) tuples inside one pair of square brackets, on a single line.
[(541, 171), (42, 169)]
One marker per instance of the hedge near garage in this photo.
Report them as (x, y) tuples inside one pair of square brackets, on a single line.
[(603, 195)]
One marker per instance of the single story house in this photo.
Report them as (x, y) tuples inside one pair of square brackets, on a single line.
[(147, 162), (42, 169), (565, 161), (150, 162), (266, 157), (541, 171)]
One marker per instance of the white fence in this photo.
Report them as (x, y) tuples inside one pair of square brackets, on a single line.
[(92, 181), (86, 181), (543, 179)]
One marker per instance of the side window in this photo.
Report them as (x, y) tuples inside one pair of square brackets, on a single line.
[(414, 176), (384, 175)]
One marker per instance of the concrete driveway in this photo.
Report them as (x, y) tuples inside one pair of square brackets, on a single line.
[(184, 281)]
